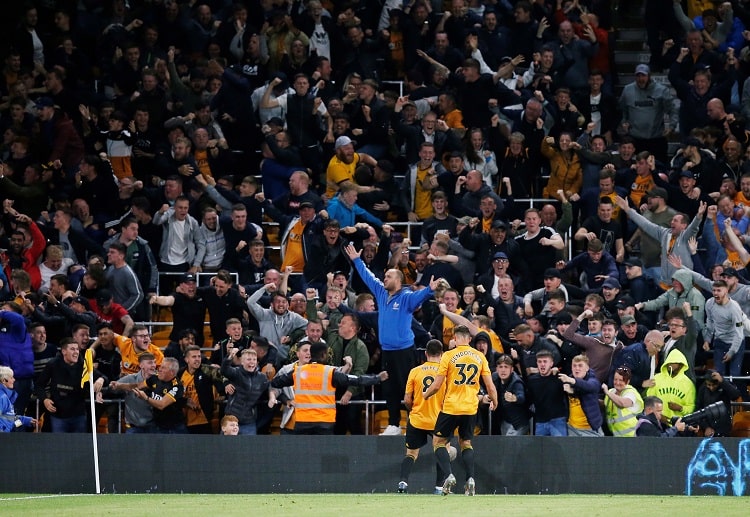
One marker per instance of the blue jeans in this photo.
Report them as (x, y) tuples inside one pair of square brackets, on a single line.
[(180, 429), (555, 427), (72, 424), (735, 365), (146, 429), (249, 429)]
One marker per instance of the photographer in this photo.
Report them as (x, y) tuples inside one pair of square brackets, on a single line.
[(716, 388), (653, 423)]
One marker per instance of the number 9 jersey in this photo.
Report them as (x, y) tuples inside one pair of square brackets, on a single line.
[(423, 412), (462, 367)]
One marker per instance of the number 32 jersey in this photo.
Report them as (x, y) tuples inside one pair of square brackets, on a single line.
[(462, 367)]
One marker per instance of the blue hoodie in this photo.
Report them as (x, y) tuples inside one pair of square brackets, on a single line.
[(348, 216), (394, 312), (15, 345)]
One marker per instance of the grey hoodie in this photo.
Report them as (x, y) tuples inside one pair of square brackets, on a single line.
[(644, 109), (689, 294)]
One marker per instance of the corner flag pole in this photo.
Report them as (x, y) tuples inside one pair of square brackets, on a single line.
[(88, 370)]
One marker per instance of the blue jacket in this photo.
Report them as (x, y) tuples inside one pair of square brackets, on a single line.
[(7, 412), (348, 216), (394, 312), (587, 390), (15, 345)]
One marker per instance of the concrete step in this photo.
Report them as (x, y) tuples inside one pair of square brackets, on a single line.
[(632, 57), (631, 34)]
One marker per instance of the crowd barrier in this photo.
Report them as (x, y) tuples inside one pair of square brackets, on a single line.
[(55, 464)]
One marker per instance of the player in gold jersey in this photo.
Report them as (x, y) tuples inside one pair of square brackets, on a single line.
[(461, 369), (422, 413)]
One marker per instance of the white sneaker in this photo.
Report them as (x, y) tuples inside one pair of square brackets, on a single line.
[(391, 430), (403, 487), (449, 483), (470, 487)]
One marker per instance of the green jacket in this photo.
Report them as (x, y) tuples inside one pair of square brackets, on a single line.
[(690, 294), (679, 389), (357, 350)]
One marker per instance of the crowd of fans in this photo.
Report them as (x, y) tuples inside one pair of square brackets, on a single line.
[(158, 136)]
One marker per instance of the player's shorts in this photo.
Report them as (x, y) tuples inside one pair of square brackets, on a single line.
[(416, 438), (446, 424)]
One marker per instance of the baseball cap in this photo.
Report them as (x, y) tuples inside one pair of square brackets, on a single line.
[(103, 296), (501, 255), (611, 283), (275, 121), (342, 141), (730, 271), (691, 140), (44, 102), (552, 272), (500, 225), (189, 277), (625, 302), (563, 318), (77, 299), (305, 204), (658, 192), (642, 69), (627, 320), (634, 262), (687, 174)]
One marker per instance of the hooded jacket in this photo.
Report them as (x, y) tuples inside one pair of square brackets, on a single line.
[(587, 391), (679, 389), (672, 298), (274, 326)]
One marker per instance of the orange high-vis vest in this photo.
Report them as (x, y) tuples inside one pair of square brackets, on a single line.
[(314, 393)]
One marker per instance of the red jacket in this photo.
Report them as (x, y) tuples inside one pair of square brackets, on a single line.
[(30, 257)]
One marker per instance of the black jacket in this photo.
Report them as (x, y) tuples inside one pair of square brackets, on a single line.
[(205, 379), (249, 387)]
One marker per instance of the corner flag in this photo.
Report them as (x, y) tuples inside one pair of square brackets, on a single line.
[(88, 367)]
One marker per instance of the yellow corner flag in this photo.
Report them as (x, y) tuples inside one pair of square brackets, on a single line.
[(88, 366)]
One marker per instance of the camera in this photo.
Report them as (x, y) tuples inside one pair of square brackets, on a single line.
[(712, 413)]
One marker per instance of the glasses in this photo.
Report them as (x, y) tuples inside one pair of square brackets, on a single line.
[(623, 370), (675, 325)]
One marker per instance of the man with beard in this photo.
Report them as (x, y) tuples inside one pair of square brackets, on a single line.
[(276, 323), (596, 263), (328, 252), (342, 166), (299, 191)]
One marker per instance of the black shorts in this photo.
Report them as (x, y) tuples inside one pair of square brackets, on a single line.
[(416, 438), (446, 424)]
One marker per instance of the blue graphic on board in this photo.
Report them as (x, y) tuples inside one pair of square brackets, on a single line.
[(712, 471)]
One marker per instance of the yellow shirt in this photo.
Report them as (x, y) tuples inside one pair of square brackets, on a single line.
[(338, 172), (129, 363), (193, 416), (422, 196), (740, 199), (462, 367), (293, 254), (454, 119), (576, 418), (640, 186), (497, 344), (423, 412), (448, 327)]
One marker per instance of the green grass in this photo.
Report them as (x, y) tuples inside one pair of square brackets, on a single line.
[(363, 505)]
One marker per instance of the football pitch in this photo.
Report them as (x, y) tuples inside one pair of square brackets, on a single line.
[(363, 505)]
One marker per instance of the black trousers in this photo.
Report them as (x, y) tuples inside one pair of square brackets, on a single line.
[(398, 364)]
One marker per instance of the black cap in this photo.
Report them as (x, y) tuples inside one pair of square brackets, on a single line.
[(103, 296), (611, 283), (188, 277), (658, 192), (730, 271), (552, 272), (306, 204), (634, 262), (275, 121), (77, 299), (498, 224), (625, 302), (687, 174), (563, 318)]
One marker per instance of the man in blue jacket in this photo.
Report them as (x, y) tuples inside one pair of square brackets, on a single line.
[(16, 353), (395, 308)]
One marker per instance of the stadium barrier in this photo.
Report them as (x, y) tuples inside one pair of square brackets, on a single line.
[(53, 464)]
